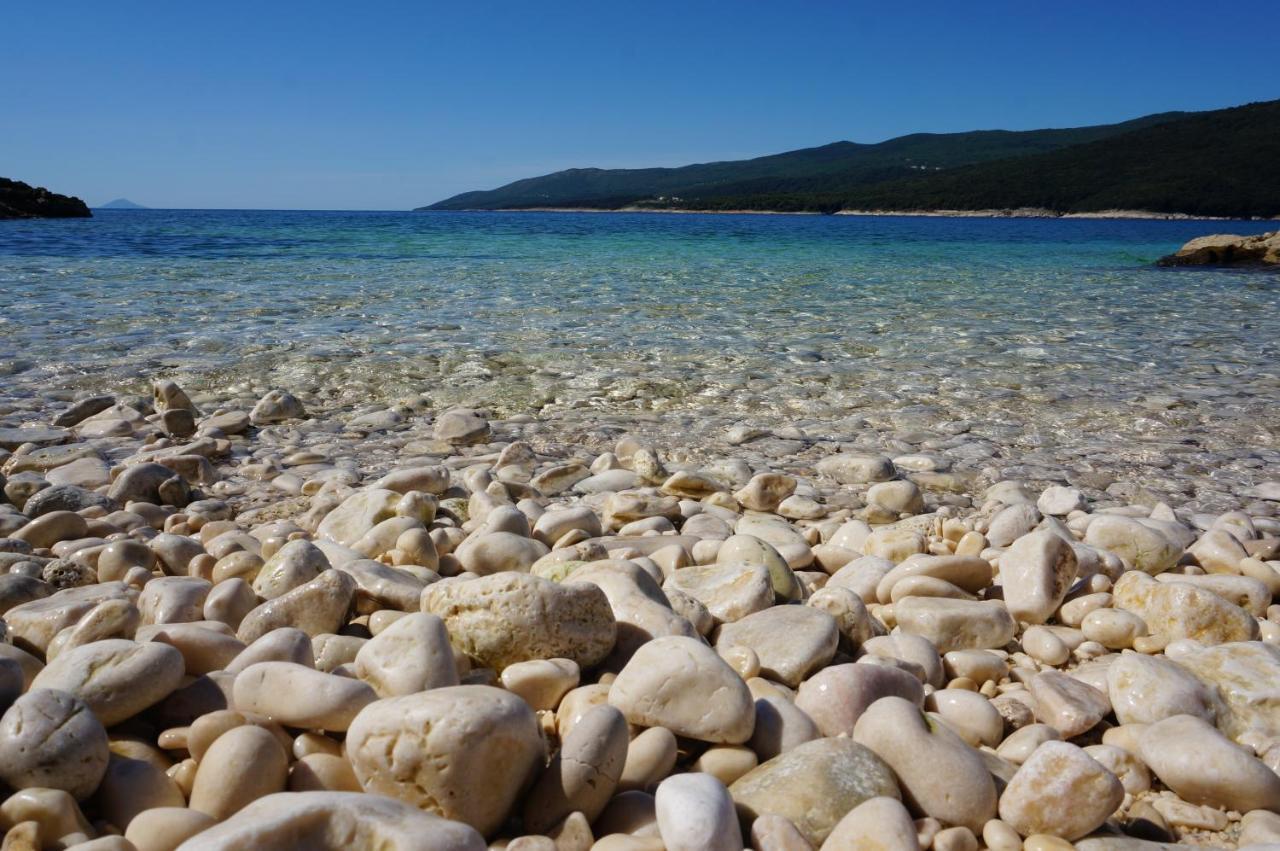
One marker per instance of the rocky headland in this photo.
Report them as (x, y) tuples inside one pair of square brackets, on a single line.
[(19, 200), (1225, 249), (240, 621)]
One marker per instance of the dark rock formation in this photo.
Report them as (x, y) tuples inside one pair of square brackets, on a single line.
[(20, 201)]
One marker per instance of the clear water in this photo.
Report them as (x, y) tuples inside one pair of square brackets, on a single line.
[(1047, 333)]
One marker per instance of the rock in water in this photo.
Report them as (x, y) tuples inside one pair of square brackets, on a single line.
[(1227, 250)]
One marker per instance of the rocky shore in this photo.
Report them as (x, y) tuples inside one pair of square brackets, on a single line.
[(1224, 249), (235, 622), (21, 201)]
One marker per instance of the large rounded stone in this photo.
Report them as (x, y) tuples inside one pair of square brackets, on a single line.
[(940, 775), (411, 655), (1146, 689), (681, 684), (1174, 610), (1139, 546), (357, 515), (52, 740), (514, 617), (583, 775), (116, 678), (790, 641), (695, 813), (1205, 767), (814, 785), (836, 697), (242, 765), (298, 696), (334, 821), (1061, 791), (956, 624), (1036, 572), (462, 752)]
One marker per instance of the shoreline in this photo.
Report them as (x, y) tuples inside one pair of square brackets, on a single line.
[(1019, 213)]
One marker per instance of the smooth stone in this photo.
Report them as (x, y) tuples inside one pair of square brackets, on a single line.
[(696, 813), (1139, 546), (790, 641), (276, 406), (140, 483), (298, 696), (1177, 610), (294, 564), (583, 775), (66, 498), (1246, 676), (814, 785), (498, 552), (1127, 767), (939, 774), (650, 757), (117, 678), (780, 726), (956, 624), (322, 772), (851, 469), (541, 682), (51, 739), (132, 786), (681, 684), (1202, 766), (357, 515), (165, 828), (1065, 703), (505, 618), (836, 697), (877, 824), (1035, 573), (334, 821), (242, 765), (462, 752), (969, 714), (1060, 791), (411, 655), (48, 529), (772, 832), (1146, 689), (729, 591), (320, 606), (462, 427), (748, 549)]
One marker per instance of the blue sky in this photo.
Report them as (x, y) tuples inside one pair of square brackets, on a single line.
[(380, 105)]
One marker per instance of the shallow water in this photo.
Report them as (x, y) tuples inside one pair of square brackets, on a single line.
[(1048, 334)]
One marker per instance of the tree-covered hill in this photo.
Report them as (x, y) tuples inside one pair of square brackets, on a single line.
[(1207, 163)]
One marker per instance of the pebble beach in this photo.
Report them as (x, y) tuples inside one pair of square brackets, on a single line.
[(631, 596)]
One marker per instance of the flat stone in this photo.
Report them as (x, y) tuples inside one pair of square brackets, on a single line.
[(12, 438), (790, 641), (814, 785)]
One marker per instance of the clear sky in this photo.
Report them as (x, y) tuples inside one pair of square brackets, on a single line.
[(382, 105)]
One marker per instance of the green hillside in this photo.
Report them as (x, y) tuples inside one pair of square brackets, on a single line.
[(1208, 163), (838, 166)]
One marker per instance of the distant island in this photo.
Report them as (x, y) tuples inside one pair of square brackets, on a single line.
[(121, 204), (20, 200), (1215, 164)]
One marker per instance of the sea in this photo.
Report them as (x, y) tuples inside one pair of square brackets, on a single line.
[(1047, 333)]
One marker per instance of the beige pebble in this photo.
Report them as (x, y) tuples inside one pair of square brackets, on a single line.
[(116, 678), (165, 828), (132, 786), (322, 772), (241, 766), (695, 813), (51, 739), (877, 824), (411, 655), (650, 758), (583, 775), (463, 752), (726, 763), (298, 696), (541, 682)]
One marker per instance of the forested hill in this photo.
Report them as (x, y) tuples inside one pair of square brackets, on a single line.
[(1207, 163)]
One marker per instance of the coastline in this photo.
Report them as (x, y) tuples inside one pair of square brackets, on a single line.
[(1019, 213)]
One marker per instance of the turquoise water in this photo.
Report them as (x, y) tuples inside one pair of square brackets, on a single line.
[(1052, 331)]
